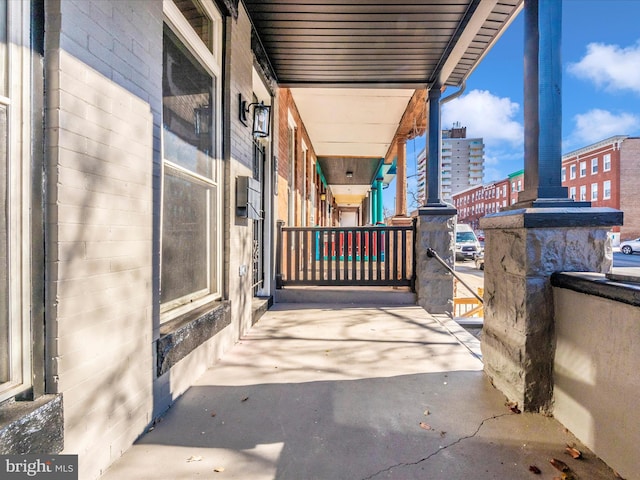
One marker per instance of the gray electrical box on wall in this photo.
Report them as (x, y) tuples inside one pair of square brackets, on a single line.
[(248, 204)]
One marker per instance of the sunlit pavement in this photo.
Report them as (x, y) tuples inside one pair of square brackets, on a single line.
[(349, 392)]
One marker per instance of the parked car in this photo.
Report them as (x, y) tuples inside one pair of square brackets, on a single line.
[(467, 244), (479, 260), (630, 246)]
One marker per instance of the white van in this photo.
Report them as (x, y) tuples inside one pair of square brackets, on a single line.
[(467, 244)]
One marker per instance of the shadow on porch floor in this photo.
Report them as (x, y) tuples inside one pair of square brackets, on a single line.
[(349, 392)]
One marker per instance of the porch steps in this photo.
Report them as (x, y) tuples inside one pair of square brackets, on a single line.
[(347, 295)]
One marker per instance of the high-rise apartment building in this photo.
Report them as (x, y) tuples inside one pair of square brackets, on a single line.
[(462, 162)]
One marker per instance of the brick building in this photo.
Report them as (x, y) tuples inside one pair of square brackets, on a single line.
[(480, 200), (604, 173)]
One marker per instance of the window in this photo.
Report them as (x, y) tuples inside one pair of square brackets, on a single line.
[(594, 192), (191, 252), (572, 193), (564, 174), (519, 185), (606, 160), (572, 172), (15, 138), (583, 169), (606, 187), (594, 166), (583, 193)]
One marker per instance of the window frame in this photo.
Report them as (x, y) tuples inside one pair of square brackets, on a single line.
[(594, 190), (583, 169), (606, 192), (583, 193), (18, 178), (572, 171), (606, 162), (211, 61), (594, 166), (572, 193)]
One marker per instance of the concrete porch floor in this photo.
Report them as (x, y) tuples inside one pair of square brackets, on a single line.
[(344, 392)]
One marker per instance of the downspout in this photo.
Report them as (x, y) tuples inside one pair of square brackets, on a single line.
[(454, 95)]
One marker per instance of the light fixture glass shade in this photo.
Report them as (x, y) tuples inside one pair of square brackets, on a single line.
[(261, 119)]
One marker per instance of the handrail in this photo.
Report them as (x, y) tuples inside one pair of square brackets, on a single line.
[(431, 253)]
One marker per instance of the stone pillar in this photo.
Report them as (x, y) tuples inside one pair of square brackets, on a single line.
[(401, 178), (522, 249), (434, 283)]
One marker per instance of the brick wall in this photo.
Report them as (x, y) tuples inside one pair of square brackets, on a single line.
[(240, 245), (629, 199), (286, 106), (103, 70)]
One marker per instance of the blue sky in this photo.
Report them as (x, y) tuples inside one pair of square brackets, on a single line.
[(600, 87)]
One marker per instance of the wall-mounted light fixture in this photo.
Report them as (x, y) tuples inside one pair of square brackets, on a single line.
[(349, 174), (261, 116)]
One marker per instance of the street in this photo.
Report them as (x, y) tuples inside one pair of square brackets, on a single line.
[(475, 278), (622, 260)]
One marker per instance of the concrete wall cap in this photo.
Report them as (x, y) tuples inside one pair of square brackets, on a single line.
[(553, 217)]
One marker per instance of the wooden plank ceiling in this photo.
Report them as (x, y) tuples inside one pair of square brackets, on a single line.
[(401, 47), (377, 42)]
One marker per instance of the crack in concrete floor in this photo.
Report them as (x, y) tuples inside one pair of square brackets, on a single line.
[(441, 449)]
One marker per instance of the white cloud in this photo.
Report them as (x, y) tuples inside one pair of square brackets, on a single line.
[(596, 125), (610, 66), (485, 115)]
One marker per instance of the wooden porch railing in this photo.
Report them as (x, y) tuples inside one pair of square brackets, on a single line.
[(381, 255)]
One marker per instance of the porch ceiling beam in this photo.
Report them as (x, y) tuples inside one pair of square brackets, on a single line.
[(412, 123), (469, 31)]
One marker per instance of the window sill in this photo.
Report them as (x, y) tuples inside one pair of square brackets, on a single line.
[(32, 427), (181, 336)]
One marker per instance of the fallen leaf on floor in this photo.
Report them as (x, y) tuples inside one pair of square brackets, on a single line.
[(218, 469), (245, 399), (535, 470), (425, 426), (427, 412), (194, 458), (443, 433), (513, 406), (574, 452), (559, 464), (213, 414)]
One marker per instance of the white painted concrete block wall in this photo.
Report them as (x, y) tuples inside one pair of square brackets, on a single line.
[(596, 376), (240, 245), (104, 62)]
